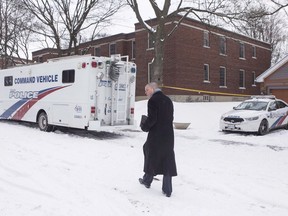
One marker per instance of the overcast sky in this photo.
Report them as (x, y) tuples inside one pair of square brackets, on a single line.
[(122, 22)]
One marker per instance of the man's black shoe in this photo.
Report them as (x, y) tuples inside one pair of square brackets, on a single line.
[(144, 183), (166, 194)]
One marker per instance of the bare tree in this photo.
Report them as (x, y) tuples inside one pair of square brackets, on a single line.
[(65, 20), (270, 29), (46, 21), (13, 28), (226, 10)]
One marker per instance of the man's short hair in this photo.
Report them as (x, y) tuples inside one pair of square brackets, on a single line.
[(153, 85)]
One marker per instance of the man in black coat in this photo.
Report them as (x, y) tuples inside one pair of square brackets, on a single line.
[(159, 157)]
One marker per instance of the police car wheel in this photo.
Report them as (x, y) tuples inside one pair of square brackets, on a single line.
[(263, 127), (43, 122)]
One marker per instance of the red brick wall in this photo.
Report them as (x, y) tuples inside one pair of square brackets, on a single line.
[(185, 57)]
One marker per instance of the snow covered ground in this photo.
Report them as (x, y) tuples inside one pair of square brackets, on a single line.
[(79, 174)]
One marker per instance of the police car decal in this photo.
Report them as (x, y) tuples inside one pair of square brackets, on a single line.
[(279, 121)]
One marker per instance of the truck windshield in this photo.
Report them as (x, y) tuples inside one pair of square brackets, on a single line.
[(252, 105)]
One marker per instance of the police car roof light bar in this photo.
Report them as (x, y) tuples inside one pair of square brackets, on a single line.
[(263, 97)]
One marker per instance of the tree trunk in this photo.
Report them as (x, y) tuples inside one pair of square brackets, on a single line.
[(157, 75)]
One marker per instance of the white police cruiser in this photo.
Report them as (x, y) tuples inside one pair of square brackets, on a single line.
[(259, 114)]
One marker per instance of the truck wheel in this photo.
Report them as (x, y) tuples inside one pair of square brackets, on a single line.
[(263, 127), (43, 123)]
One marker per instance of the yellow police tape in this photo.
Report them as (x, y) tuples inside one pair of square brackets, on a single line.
[(206, 92)]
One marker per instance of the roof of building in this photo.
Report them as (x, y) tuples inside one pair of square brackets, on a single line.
[(272, 69)]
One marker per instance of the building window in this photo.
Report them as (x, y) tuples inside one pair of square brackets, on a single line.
[(8, 80), (241, 79), (97, 51), (223, 45), (40, 59), (83, 51), (150, 71), (254, 52), (206, 72), (222, 77), (68, 76), (206, 39), (242, 51), (150, 41), (253, 78), (133, 49), (112, 49)]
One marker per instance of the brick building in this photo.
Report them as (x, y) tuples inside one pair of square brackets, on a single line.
[(206, 62), (123, 44)]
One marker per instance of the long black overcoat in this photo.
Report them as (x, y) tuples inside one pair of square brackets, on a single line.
[(159, 157)]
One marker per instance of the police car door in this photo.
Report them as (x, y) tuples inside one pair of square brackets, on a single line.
[(282, 111), (272, 117)]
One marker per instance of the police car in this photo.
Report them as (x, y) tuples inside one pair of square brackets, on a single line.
[(259, 114)]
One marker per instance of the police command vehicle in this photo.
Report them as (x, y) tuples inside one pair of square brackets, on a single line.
[(93, 93)]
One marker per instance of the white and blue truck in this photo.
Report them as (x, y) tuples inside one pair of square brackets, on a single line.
[(86, 92)]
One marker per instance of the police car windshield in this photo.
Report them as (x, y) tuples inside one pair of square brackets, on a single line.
[(252, 105)]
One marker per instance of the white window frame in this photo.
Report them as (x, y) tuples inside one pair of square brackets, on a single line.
[(111, 44), (242, 85), (150, 46), (241, 50), (97, 47), (206, 73), (84, 51), (254, 52), (223, 45), (133, 49), (253, 78), (206, 39), (225, 77)]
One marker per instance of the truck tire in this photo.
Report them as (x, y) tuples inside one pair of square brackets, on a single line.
[(263, 127), (43, 122)]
